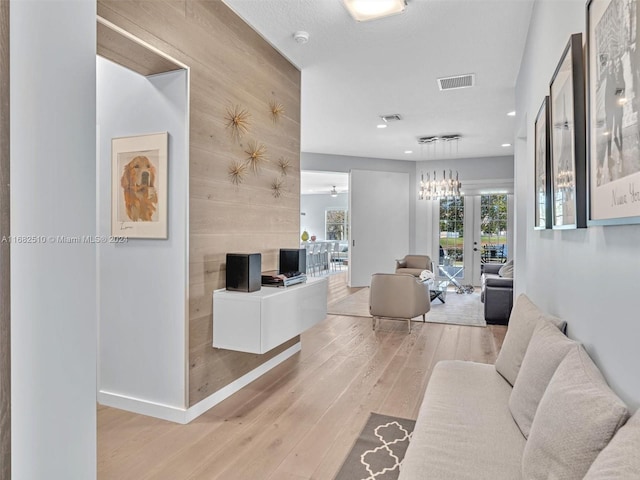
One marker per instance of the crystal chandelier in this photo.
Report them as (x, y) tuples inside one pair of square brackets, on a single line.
[(433, 189)]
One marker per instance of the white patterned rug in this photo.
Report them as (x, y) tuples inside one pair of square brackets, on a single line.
[(379, 450), (458, 309)]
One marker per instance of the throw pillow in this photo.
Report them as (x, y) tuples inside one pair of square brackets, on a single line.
[(547, 348), (427, 275), (577, 417), (524, 318), (506, 270), (619, 459)]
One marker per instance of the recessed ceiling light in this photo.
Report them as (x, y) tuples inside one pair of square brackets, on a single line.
[(364, 10), (512, 113), (408, 151), (382, 125), (506, 144)]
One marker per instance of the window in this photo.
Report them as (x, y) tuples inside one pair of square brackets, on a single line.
[(336, 225), (493, 230)]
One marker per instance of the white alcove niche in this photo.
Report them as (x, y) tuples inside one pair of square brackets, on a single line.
[(142, 283)]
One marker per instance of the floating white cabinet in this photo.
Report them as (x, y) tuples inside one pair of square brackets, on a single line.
[(259, 321)]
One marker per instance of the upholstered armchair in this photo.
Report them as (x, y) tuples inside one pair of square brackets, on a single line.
[(414, 264), (398, 295)]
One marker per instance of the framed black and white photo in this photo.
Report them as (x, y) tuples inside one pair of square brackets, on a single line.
[(613, 96), (568, 152), (542, 169)]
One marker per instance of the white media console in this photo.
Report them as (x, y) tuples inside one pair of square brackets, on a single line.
[(259, 321)]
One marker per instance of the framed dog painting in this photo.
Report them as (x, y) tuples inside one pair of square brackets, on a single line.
[(139, 186)]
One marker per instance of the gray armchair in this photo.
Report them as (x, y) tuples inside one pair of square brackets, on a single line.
[(414, 264), (398, 295), (496, 294)]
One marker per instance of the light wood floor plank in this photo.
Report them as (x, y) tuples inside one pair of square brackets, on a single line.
[(299, 420)]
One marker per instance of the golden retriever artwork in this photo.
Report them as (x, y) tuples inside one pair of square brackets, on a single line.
[(139, 186), (138, 182)]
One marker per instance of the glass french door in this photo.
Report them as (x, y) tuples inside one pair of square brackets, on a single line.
[(473, 230), (451, 255)]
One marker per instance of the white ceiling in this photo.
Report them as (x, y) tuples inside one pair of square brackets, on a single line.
[(353, 72), (321, 182)]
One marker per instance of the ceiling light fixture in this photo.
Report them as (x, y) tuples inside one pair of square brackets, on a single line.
[(333, 192), (433, 189), (506, 144), (365, 10), (408, 151), (382, 125), (512, 113)]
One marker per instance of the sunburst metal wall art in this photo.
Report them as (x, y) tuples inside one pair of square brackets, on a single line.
[(284, 164), (257, 155), (238, 121), (277, 186), (277, 109), (237, 172)]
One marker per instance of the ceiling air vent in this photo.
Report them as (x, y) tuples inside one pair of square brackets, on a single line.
[(394, 117), (458, 81)]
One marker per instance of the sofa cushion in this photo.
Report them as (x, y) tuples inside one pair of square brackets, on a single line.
[(464, 429), (620, 459), (524, 318), (547, 348), (576, 418)]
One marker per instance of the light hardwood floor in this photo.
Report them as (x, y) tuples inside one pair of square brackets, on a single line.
[(299, 420)]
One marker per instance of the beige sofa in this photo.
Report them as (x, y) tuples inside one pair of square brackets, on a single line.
[(543, 411)]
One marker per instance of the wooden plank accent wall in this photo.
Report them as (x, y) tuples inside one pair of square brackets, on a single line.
[(122, 50), (5, 289), (230, 65)]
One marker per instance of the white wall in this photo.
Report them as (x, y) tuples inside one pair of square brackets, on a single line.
[(589, 277), (53, 284), (314, 206), (143, 283)]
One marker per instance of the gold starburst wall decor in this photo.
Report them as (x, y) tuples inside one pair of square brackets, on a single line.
[(237, 172), (237, 119), (277, 109), (284, 164), (277, 186), (257, 155)]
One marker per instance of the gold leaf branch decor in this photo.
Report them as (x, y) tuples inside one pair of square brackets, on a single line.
[(277, 186), (284, 164), (238, 121), (237, 172), (277, 109), (257, 155)]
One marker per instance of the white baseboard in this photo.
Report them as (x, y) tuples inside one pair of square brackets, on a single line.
[(181, 415), (144, 407)]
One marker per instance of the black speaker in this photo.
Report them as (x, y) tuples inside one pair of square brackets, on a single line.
[(293, 260), (243, 272)]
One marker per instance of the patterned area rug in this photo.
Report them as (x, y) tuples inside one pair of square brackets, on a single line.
[(458, 309), (379, 450)]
